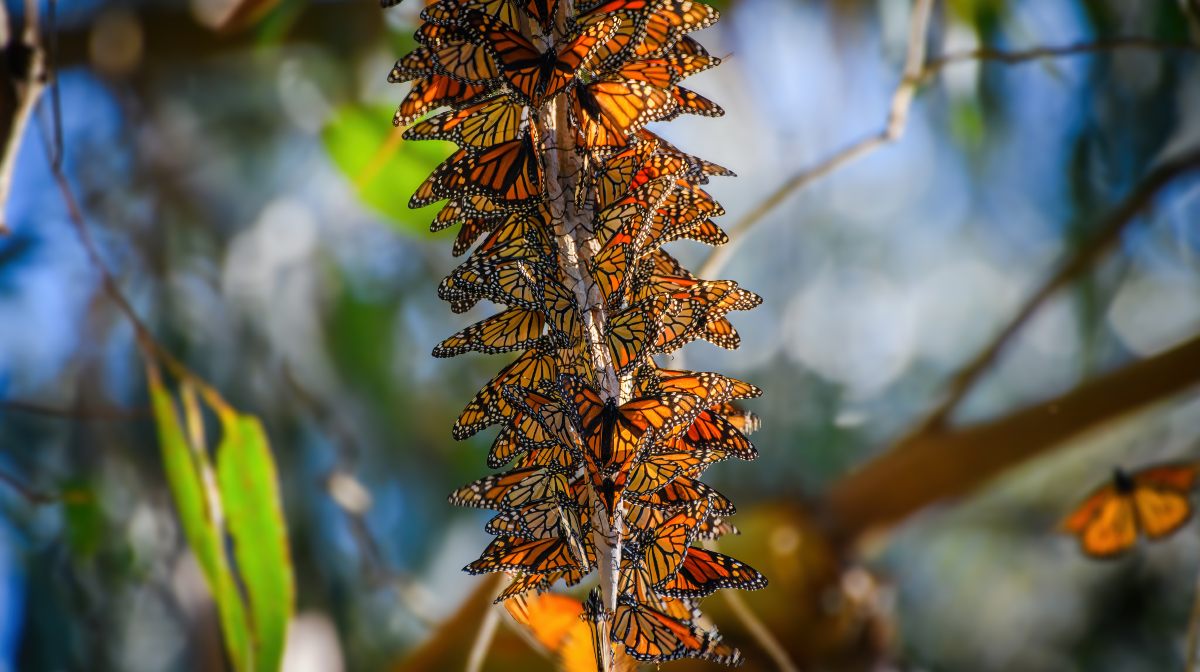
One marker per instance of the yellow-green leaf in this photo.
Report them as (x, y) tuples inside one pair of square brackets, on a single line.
[(188, 469), (383, 168), (254, 516)]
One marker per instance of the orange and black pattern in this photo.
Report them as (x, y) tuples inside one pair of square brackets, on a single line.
[(604, 448)]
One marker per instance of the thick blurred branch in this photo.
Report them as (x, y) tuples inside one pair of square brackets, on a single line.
[(951, 461), (915, 75), (939, 464)]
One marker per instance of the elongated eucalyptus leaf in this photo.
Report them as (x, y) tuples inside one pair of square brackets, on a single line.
[(254, 516), (188, 470)]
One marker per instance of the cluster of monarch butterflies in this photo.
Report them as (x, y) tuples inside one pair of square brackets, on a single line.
[(524, 80), (1153, 501)]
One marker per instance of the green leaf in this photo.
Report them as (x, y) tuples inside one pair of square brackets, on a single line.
[(190, 475), (250, 493), (384, 169)]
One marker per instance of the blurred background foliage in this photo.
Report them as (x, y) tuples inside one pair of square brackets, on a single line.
[(248, 190)]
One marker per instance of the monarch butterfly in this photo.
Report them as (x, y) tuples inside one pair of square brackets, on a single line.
[(612, 433), (633, 329), (523, 583), (512, 283), (449, 54), (614, 174), (467, 206), (714, 388), (536, 76), (509, 171), (434, 91), (520, 434), (698, 168), (514, 488), (656, 470), (450, 12), (547, 519), (690, 102), (610, 268), (706, 232), (556, 421), (703, 572), (566, 628), (491, 122), (629, 215), (489, 407), (711, 431), (715, 527), (636, 584), (697, 302), (542, 11), (650, 27), (745, 421), (682, 491), (537, 520), (670, 20), (663, 546), (652, 636), (521, 236), (562, 311), (513, 329), (511, 554), (1152, 501), (606, 111)]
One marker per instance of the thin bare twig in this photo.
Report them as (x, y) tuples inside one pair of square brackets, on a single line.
[(759, 631), (935, 65), (893, 129), (151, 349), (415, 596), (483, 640), (897, 119), (30, 495), (97, 413), (1110, 230)]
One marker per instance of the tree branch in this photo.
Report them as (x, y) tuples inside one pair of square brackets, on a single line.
[(897, 119), (1110, 231), (893, 129), (1015, 57), (29, 92), (34, 497), (937, 465), (97, 413), (415, 596)]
